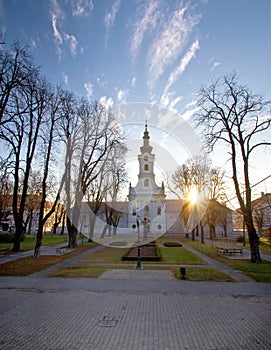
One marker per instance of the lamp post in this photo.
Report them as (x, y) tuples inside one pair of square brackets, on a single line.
[(138, 265)]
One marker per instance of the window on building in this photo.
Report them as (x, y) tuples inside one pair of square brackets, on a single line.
[(159, 211), (134, 226), (146, 167), (159, 227), (134, 212), (147, 210)]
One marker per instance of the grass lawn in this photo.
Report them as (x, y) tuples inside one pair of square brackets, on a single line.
[(193, 273), (178, 255), (107, 255), (259, 272), (30, 241), (27, 266)]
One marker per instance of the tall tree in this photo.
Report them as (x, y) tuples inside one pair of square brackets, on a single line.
[(22, 117), (197, 178), (230, 113), (89, 147)]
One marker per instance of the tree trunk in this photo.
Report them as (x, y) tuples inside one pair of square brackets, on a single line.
[(253, 242), (212, 231), (19, 231), (193, 234), (72, 230), (201, 232), (38, 244)]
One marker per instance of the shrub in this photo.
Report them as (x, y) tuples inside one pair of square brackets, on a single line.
[(239, 238), (172, 244), (7, 237)]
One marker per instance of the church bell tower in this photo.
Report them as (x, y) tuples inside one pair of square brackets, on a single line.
[(147, 199)]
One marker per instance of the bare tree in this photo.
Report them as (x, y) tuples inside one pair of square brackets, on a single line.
[(20, 133), (49, 140), (116, 178), (232, 114), (199, 176), (16, 68), (88, 148)]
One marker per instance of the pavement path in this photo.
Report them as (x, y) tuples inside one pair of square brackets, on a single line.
[(131, 310)]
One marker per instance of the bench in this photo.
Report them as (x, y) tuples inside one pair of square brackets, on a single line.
[(61, 250), (4, 251), (229, 251)]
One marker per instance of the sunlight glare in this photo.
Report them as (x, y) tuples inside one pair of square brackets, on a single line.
[(193, 195)]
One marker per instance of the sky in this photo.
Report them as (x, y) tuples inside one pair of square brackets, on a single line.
[(152, 52)]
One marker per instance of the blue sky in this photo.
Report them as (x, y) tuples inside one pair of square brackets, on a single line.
[(152, 51)]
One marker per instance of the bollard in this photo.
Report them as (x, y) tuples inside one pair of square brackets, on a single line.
[(183, 273)]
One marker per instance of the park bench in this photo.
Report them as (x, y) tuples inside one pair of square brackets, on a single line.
[(229, 251), (4, 251), (61, 250)]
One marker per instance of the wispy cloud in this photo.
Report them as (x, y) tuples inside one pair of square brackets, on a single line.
[(82, 7), (166, 99), (133, 82), (89, 89), (183, 64), (189, 113), (61, 38), (148, 16), (65, 78), (110, 18), (107, 102), (170, 42), (122, 95)]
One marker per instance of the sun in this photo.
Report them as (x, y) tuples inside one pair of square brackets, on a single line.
[(193, 196)]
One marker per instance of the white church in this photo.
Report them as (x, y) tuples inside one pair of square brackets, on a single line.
[(147, 213), (147, 200)]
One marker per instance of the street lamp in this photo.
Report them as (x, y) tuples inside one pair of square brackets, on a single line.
[(138, 265)]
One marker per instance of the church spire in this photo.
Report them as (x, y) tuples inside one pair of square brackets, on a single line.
[(146, 146)]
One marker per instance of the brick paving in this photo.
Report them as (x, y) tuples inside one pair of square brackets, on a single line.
[(63, 319), (133, 309)]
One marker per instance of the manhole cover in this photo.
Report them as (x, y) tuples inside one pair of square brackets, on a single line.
[(108, 321)]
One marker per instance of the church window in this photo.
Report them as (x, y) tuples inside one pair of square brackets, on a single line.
[(134, 226), (159, 211), (146, 167), (147, 210), (146, 182), (159, 227), (134, 211)]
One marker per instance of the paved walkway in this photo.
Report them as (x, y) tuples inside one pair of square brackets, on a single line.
[(132, 309)]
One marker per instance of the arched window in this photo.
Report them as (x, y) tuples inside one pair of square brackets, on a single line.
[(146, 182), (159, 211), (147, 210), (146, 167)]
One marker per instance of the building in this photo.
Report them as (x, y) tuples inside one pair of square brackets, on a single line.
[(261, 212), (148, 214), (147, 199)]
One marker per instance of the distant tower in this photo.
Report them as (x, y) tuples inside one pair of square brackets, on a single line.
[(147, 199)]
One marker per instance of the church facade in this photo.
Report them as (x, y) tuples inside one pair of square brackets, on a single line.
[(147, 213), (147, 200)]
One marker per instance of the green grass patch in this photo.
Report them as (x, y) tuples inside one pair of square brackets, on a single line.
[(30, 242), (28, 265), (107, 255), (259, 272), (203, 274), (80, 272), (193, 273), (179, 256)]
